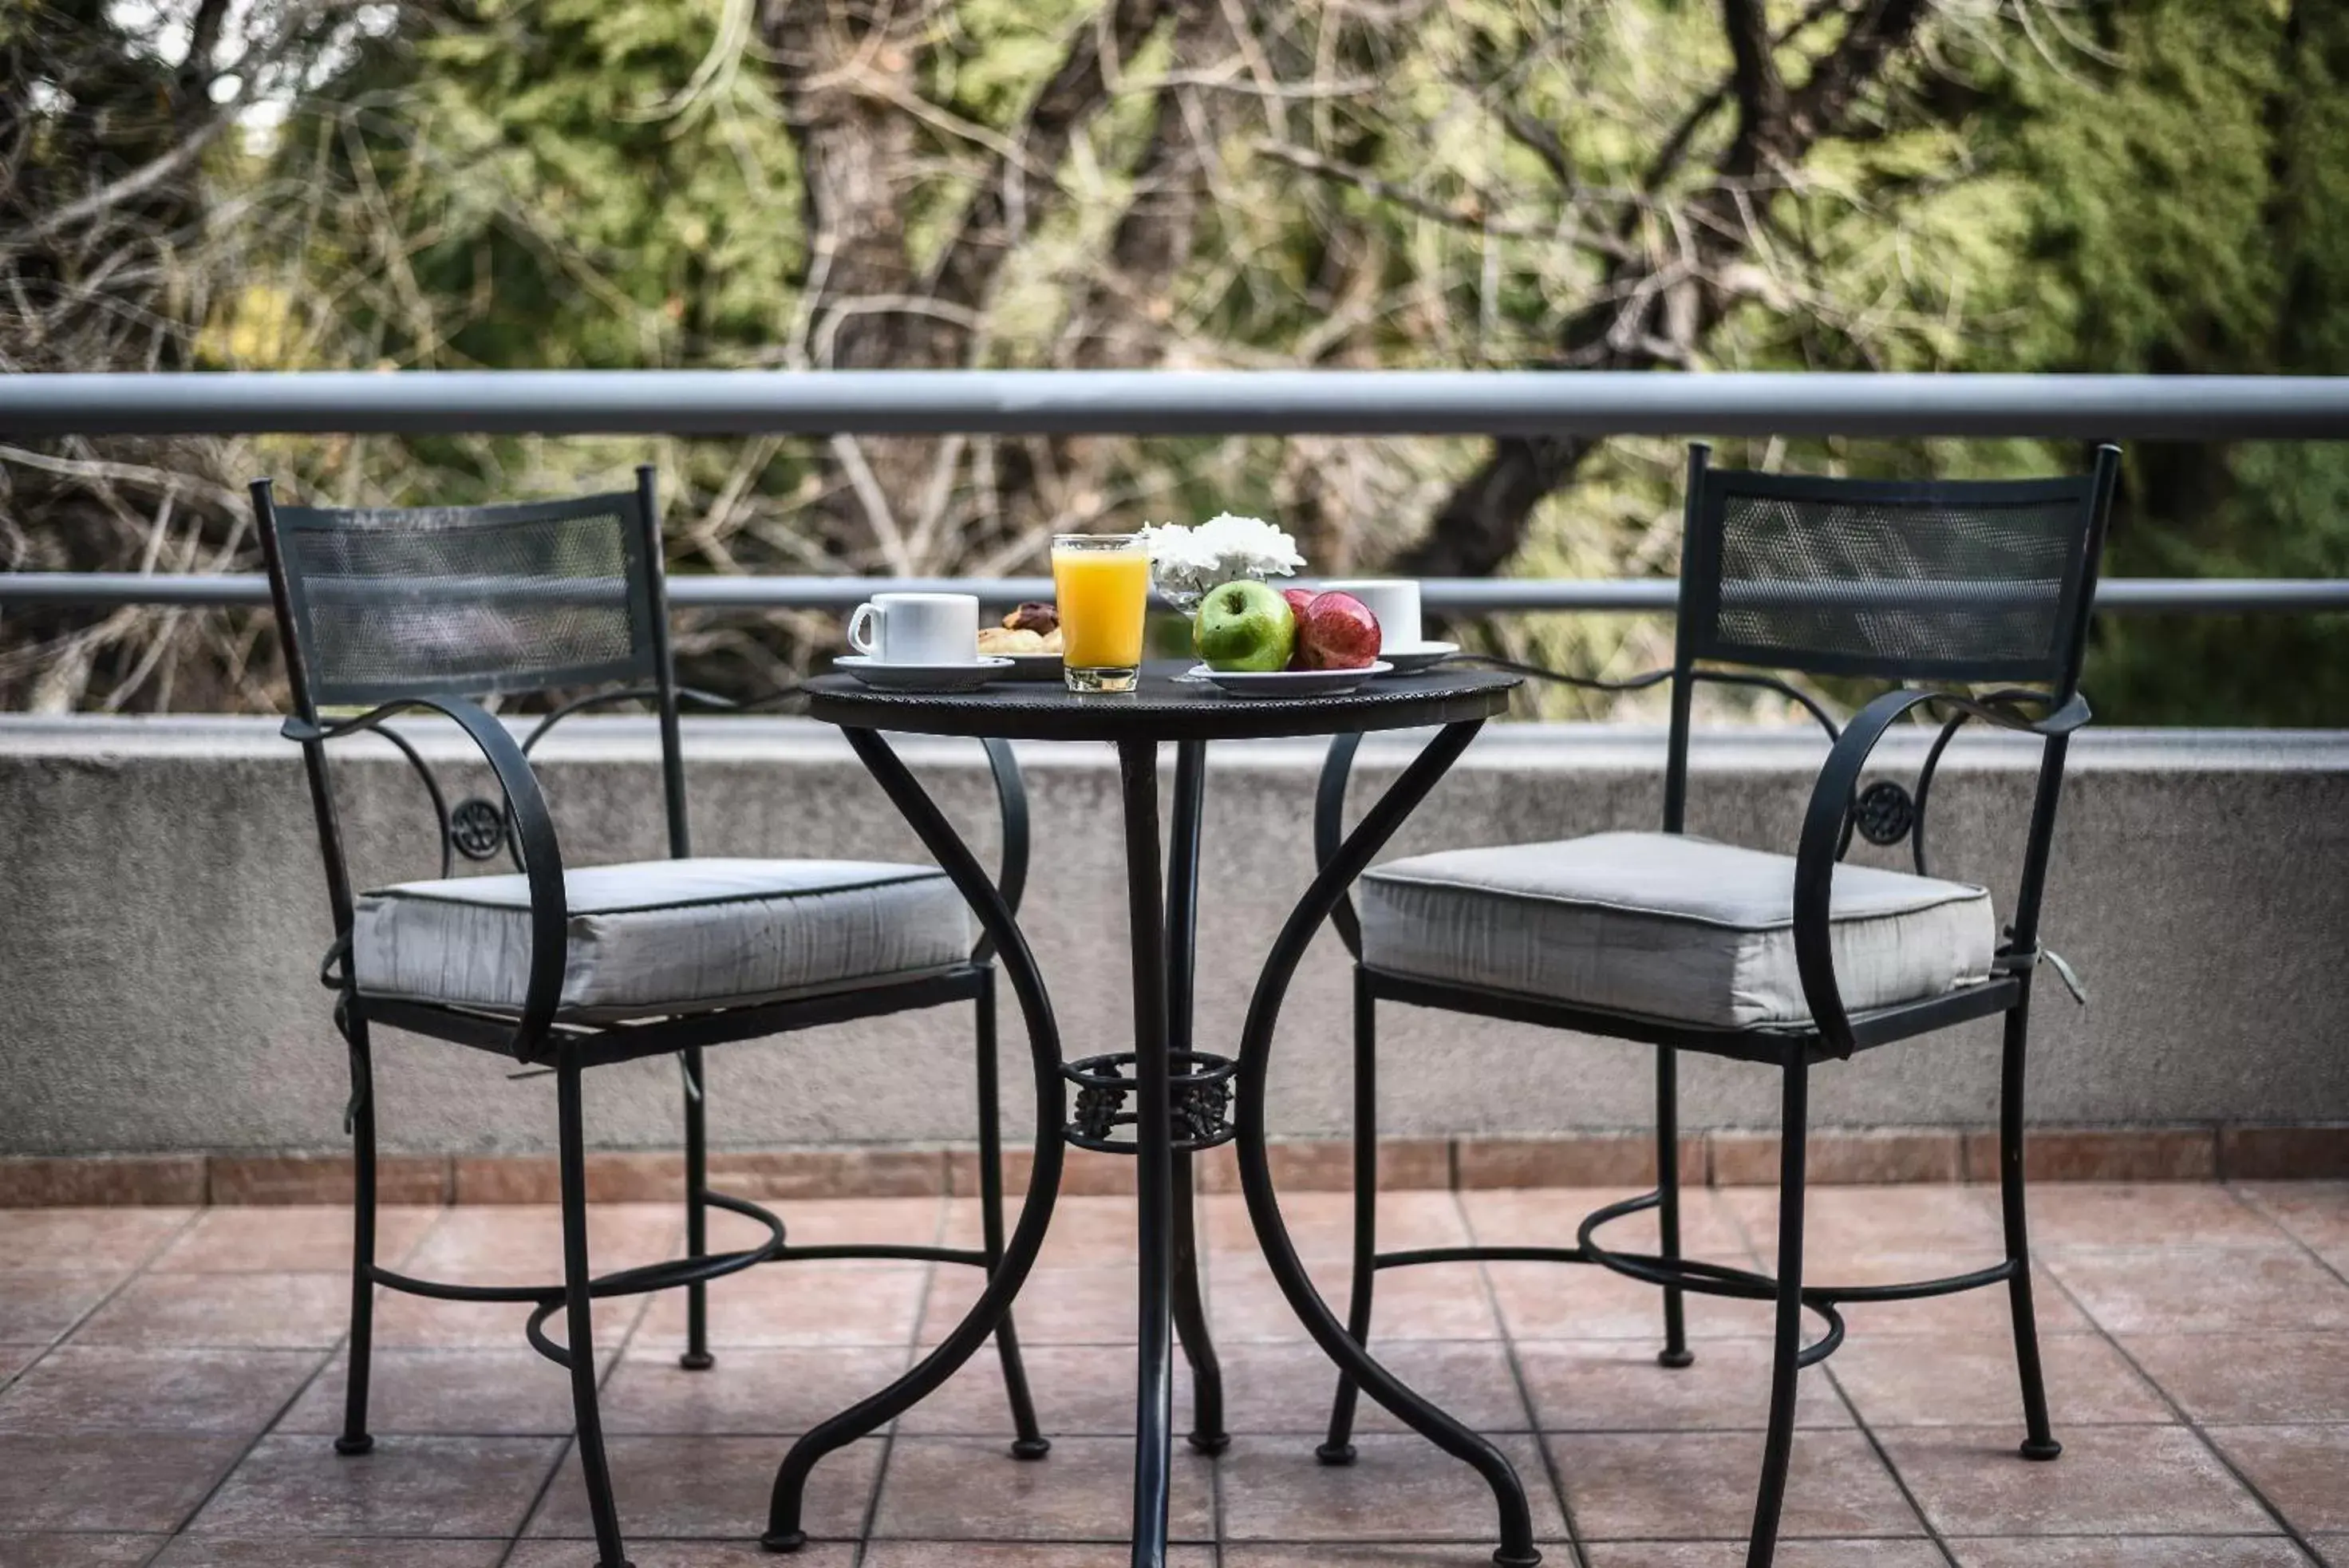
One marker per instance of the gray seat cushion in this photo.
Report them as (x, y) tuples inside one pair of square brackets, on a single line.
[(1667, 926), (665, 936)]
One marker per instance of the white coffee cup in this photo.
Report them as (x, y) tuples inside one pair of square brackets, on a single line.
[(916, 628), (1394, 600)]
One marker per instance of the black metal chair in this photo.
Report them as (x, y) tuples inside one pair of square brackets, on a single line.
[(568, 969), (1689, 945)]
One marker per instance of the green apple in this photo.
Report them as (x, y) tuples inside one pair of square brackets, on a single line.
[(1244, 625)]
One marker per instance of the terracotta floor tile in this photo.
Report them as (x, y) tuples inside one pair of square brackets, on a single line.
[(2111, 1479), (498, 1241), (1907, 1553), (1548, 1217), (947, 1488), (1616, 1385), (1398, 1486), (2334, 1549), (1962, 1380), (406, 1486), (86, 1388), (407, 1322), (290, 1239), (108, 1481), (2134, 1550), (1694, 1486), (2249, 1378), (2304, 1470), (313, 1552), (1080, 1390), (2238, 1291), (1581, 1300), (708, 1487), (1441, 1300), (59, 1549), (1098, 1231), (798, 1303), (1095, 1303), (833, 1222), (86, 1238), (1322, 1224), (257, 1312), (1339, 1555), (15, 1358), (1287, 1388), (749, 1392), (646, 1554), (2067, 1214), (2317, 1212), (1844, 1223), (38, 1305), (1005, 1555), (448, 1393)]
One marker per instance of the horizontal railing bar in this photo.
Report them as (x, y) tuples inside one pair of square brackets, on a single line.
[(1457, 595), (1187, 402)]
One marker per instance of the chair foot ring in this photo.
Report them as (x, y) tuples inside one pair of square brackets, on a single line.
[(1030, 1447), (2041, 1451), (784, 1540), (358, 1445), (1676, 1359), (1335, 1453), (697, 1361), (1209, 1442)]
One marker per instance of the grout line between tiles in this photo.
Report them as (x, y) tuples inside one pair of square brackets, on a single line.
[(2299, 1537), (871, 1517), (1884, 1457), (1542, 1450)]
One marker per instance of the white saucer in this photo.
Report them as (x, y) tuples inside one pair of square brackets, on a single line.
[(923, 677), (1412, 657), (1287, 682)]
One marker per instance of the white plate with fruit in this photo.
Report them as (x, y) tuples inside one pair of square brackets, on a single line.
[(1256, 640)]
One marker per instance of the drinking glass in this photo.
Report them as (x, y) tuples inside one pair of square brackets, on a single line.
[(1103, 583)]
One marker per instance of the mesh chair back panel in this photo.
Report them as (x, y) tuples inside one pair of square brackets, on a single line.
[(468, 601), (1948, 581)]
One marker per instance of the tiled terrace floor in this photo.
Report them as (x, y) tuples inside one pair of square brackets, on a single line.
[(168, 1379)]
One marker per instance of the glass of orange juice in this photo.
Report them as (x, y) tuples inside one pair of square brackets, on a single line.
[(1103, 583)]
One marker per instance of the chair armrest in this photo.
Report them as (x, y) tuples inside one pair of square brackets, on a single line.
[(1825, 819), (1012, 804), (533, 828)]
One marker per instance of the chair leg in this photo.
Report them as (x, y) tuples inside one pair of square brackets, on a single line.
[(355, 1439), (1778, 1442), (2039, 1443), (579, 1309), (1028, 1441), (1338, 1449), (696, 1356), (1668, 1201)]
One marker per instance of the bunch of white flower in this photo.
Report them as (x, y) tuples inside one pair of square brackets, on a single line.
[(1186, 562)]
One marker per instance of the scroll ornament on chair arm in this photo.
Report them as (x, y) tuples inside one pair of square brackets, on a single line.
[(1827, 825), (542, 855)]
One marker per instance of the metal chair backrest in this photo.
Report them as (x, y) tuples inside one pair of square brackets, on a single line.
[(377, 605)]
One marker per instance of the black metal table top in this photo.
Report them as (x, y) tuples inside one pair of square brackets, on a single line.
[(1163, 708)]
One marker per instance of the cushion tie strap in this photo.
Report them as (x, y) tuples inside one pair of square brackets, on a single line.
[(2022, 960)]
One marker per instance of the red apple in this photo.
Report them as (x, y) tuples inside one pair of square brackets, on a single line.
[(1336, 631), (1297, 600)]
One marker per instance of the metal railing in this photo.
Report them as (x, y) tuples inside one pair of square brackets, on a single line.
[(1180, 403)]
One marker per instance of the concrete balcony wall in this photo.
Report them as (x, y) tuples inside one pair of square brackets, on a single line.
[(162, 917)]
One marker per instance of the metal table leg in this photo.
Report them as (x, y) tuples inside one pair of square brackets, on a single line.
[(1516, 1549), (1153, 1417), (1207, 1434), (784, 1532)]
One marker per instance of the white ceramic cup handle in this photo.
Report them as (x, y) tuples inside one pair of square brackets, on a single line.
[(870, 615)]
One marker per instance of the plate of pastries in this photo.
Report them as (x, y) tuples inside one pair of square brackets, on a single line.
[(1030, 638)]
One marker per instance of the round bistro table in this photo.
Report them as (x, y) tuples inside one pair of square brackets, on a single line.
[(1182, 1098)]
